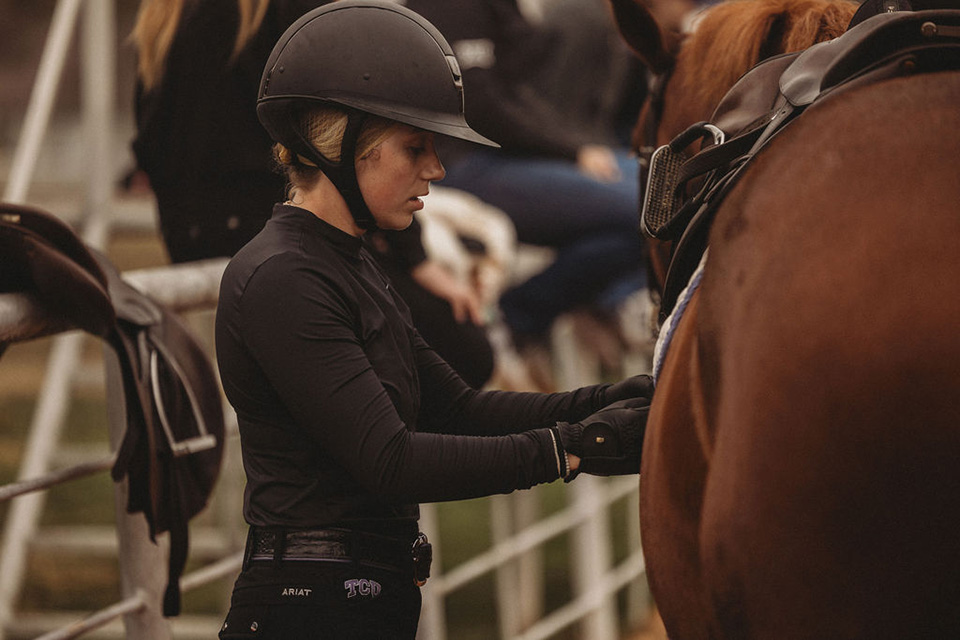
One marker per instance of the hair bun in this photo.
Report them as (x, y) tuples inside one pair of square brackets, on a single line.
[(284, 155)]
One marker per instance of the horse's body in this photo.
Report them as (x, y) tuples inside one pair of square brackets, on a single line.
[(801, 471)]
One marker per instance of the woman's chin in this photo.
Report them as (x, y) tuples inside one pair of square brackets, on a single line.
[(396, 222)]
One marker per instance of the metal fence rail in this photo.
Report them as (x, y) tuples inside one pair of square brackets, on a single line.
[(190, 287)]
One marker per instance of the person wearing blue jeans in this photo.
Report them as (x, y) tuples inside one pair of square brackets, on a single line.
[(591, 224), (560, 178)]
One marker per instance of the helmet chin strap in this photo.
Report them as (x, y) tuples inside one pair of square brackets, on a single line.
[(343, 174)]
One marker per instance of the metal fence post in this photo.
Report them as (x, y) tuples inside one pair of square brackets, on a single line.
[(591, 554), (433, 624), (142, 563), (520, 592), (507, 574), (590, 543), (98, 72), (44, 93)]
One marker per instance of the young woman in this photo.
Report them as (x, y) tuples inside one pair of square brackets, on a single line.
[(198, 141), (347, 417)]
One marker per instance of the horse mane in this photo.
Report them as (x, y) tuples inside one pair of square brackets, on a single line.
[(733, 36)]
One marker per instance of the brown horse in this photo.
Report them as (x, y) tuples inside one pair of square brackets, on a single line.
[(801, 470)]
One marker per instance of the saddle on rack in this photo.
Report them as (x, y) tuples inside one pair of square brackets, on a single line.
[(172, 447), (684, 191)]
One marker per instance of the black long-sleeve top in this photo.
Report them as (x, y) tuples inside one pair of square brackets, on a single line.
[(347, 417)]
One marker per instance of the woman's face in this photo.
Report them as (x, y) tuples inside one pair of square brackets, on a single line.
[(396, 174)]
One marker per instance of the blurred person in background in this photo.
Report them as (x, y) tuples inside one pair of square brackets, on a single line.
[(347, 418), (566, 183), (587, 52), (210, 166)]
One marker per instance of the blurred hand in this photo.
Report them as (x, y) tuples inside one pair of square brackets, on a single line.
[(463, 299), (489, 279), (598, 162)]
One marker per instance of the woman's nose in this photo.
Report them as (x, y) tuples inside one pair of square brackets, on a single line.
[(434, 170)]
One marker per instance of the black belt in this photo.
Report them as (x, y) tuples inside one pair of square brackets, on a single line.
[(341, 545)]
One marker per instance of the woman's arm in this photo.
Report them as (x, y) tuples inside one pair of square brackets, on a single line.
[(299, 327), (448, 405)]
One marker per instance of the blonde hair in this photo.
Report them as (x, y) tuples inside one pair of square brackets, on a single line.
[(324, 128), (156, 26)]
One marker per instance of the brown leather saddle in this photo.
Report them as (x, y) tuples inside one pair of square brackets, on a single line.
[(684, 191), (173, 444)]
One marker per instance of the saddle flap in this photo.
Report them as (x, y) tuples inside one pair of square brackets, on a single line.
[(751, 100), (173, 447), (865, 45), (175, 394)]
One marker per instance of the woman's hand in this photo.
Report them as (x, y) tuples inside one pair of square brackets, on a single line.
[(463, 299), (598, 162), (608, 442), (573, 462), (639, 386)]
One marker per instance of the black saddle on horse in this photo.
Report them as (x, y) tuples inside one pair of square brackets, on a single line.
[(683, 192), (173, 444)]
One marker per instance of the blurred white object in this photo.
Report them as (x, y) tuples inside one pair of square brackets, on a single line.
[(449, 215)]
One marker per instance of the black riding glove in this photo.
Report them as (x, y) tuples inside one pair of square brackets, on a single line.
[(633, 387), (609, 441)]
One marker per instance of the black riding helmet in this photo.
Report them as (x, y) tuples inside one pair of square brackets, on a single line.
[(372, 57)]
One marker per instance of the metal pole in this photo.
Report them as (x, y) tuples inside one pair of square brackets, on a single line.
[(520, 591), (526, 512), (41, 100), (142, 563), (54, 478), (98, 74), (95, 621), (591, 554), (433, 624), (509, 607), (590, 543)]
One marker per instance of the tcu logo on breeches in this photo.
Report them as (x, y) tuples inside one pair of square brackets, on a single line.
[(363, 587)]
